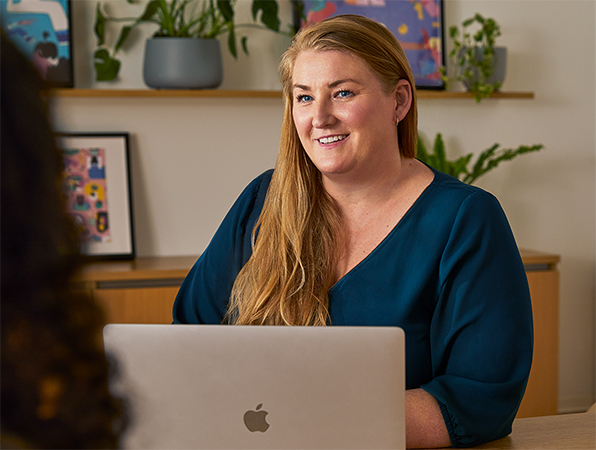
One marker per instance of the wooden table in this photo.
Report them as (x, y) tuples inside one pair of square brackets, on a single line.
[(567, 431)]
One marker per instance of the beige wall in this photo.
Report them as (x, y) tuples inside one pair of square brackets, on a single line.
[(191, 157)]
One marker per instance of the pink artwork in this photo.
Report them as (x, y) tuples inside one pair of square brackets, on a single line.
[(87, 196)]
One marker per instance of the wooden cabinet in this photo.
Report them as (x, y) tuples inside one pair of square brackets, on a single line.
[(138, 291), (542, 391), (143, 291)]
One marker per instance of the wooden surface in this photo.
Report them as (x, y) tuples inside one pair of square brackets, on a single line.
[(541, 397), (140, 305), (563, 432), (167, 267), (147, 268), (222, 93)]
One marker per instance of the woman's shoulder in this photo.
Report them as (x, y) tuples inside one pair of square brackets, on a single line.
[(248, 205), (257, 188), (447, 186), (263, 179)]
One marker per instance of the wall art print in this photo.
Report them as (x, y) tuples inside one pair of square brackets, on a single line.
[(98, 192), (41, 29), (87, 192), (417, 24)]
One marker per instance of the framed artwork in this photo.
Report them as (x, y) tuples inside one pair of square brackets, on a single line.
[(41, 29), (97, 186), (417, 24)]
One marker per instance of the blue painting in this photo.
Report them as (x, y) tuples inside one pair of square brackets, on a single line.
[(417, 24), (41, 30)]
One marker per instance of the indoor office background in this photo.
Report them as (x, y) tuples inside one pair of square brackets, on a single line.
[(191, 157)]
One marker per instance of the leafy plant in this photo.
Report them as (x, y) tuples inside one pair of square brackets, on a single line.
[(181, 18), (473, 55), (485, 162)]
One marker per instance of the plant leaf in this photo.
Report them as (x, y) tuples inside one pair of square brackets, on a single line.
[(100, 26), (269, 15), (232, 40), (439, 151), (227, 10), (151, 9), (123, 35), (489, 159), (421, 152), (106, 67), (243, 42)]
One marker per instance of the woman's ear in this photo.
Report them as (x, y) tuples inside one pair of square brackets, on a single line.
[(403, 99)]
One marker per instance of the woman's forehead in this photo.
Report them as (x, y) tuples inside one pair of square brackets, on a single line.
[(314, 63)]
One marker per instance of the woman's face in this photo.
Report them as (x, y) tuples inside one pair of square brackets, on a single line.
[(345, 121)]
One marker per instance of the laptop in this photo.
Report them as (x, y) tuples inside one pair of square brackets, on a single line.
[(251, 387)]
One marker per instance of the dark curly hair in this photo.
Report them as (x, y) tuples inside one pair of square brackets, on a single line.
[(54, 371)]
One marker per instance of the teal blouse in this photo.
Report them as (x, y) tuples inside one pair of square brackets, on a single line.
[(449, 274)]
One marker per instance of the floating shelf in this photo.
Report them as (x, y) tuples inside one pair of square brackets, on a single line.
[(220, 93)]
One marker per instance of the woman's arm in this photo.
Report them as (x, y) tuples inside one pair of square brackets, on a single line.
[(425, 427)]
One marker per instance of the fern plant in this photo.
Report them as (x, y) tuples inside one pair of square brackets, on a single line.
[(485, 161)]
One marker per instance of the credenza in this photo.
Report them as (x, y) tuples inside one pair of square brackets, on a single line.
[(143, 291)]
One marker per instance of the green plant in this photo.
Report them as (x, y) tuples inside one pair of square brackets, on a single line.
[(473, 54), (485, 162), (180, 18)]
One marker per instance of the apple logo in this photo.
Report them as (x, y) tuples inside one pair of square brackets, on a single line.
[(256, 420)]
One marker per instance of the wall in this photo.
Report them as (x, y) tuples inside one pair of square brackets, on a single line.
[(191, 157)]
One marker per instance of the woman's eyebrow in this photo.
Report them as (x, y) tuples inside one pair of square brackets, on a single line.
[(331, 85)]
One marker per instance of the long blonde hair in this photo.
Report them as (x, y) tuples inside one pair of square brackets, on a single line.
[(288, 276)]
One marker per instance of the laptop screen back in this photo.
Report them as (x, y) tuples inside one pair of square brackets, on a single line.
[(215, 386)]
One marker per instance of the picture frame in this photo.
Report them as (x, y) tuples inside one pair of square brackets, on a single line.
[(417, 24), (42, 31), (98, 192)]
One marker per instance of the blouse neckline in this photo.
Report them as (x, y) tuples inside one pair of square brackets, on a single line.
[(393, 231)]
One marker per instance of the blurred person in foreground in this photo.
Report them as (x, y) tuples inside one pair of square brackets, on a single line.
[(54, 371)]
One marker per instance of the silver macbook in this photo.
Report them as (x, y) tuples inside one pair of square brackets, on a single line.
[(240, 387)]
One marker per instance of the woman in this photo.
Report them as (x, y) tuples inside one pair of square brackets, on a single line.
[(351, 229), (54, 371)]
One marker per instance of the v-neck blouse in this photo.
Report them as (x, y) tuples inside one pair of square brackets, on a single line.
[(449, 274)]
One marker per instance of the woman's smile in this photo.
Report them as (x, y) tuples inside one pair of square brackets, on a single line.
[(332, 139)]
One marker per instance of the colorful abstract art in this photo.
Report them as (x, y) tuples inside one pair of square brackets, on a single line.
[(41, 30), (87, 192), (417, 24)]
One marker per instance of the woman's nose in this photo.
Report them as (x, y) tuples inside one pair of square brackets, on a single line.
[(323, 114)]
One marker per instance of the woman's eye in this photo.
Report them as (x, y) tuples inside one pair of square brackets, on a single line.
[(344, 93), (303, 98)]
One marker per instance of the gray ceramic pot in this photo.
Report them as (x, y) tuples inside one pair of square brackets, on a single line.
[(499, 64), (182, 63)]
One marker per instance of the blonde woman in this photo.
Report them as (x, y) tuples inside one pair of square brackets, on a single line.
[(351, 229)]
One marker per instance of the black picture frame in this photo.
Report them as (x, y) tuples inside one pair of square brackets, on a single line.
[(98, 190), (418, 25), (42, 31)]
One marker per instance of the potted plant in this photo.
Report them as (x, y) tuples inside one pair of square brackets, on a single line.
[(171, 59), (479, 63), (485, 162)]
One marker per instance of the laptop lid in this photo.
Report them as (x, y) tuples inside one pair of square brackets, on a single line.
[(217, 386)]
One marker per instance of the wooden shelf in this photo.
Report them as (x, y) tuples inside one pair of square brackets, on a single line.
[(221, 93)]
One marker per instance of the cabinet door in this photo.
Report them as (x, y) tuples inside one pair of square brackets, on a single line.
[(540, 398), (138, 305)]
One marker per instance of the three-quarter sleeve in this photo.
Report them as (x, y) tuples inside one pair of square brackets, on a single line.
[(481, 334), (204, 295)]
